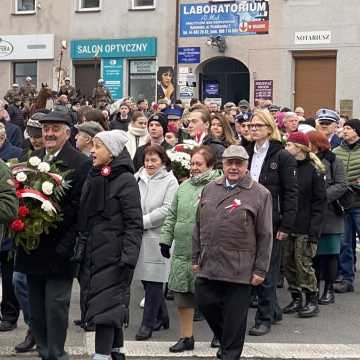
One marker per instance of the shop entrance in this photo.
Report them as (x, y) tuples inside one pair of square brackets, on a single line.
[(225, 78), (86, 76)]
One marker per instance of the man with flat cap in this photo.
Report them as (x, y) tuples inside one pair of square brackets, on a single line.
[(48, 268), (232, 242)]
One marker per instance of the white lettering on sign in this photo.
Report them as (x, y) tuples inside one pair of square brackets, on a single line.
[(225, 8), (313, 37), (98, 49)]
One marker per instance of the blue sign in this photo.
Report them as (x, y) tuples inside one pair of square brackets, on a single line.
[(240, 17), (112, 72), (189, 55), (212, 89), (113, 48)]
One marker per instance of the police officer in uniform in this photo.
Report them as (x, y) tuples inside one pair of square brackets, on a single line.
[(28, 91), (11, 93), (67, 90), (101, 95)]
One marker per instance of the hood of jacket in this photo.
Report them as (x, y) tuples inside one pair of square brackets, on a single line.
[(161, 174), (123, 161)]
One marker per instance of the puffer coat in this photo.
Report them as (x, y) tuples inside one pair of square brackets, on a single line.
[(178, 228), (113, 244)]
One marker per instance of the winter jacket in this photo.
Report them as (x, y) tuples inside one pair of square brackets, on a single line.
[(13, 134), (8, 200), (136, 137), (9, 151), (351, 159), (118, 123), (55, 249), (335, 182), (157, 193), (16, 116), (113, 244), (278, 175), (178, 228), (232, 238), (218, 146), (311, 200)]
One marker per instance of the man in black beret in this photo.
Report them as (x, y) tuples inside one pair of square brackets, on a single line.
[(48, 267)]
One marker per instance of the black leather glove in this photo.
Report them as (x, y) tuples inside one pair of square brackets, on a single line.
[(125, 316), (165, 251), (80, 248)]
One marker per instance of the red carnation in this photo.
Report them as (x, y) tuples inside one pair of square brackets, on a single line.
[(23, 211), (17, 184), (179, 148), (106, 171), (18, 194), (17, 225)]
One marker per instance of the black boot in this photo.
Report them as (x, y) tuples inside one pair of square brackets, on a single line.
[(311, 307), (295, 305), (328, 297), (143, 333), (117, 356), (183, 344), (27, 345)]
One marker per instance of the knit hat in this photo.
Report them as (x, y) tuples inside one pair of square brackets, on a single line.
[(160, 118), (354, 124), (114, 140), (298, 137)]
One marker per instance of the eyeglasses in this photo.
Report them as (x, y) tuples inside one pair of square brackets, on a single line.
[(257, 126)]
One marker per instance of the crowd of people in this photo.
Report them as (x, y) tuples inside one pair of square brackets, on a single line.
[(262, 194)]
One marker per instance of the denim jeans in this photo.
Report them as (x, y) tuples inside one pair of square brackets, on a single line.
[(347, 256), (22, 294)]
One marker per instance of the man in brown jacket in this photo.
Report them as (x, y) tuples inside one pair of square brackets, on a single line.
[(232, 243)]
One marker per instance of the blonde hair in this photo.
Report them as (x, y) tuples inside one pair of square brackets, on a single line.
[(319, 166), (267, 119)]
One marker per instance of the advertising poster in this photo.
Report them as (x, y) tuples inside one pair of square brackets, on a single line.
[(263, 89), (165, 83), (113, 76), (241, 17)]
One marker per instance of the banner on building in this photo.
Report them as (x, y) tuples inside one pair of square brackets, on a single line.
[(263, 89), (165, 83), (240, 17), (112, 72)]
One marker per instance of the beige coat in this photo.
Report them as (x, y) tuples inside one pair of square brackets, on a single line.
[(232, 237)]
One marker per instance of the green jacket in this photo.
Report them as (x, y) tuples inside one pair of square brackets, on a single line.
[(178, 227), (8, 200), (351, 160)]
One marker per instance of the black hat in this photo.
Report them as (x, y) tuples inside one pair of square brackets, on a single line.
[(160, 118), (274, 108), (56, 117), (354, 124), (243, 117)]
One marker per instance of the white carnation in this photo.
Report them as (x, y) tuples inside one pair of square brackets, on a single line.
[(34, 161), (47, 187), (21, 177), (44, 167), (47, 207)]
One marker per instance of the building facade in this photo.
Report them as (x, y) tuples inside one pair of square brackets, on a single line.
[(293, 52), (122, 41)]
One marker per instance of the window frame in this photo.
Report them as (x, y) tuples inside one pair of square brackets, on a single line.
[(92, 9), (24, 12), (136, 7), (14, 63)]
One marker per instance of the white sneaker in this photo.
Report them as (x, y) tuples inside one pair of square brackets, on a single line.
[(142, 303)]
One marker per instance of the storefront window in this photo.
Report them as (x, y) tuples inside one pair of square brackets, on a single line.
[(143, 4), (25, 6), (24, 69), (142, 82)]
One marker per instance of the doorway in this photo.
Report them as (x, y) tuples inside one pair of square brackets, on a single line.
[(225, 78), (86, 76)]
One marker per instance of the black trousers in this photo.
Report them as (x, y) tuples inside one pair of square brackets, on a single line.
[(225, 307), (49, 297), (326, 268), (155, 306), (108, 339), (10, 307), (268, 305)]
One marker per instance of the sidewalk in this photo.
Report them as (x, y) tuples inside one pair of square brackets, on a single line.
[(334, 334)]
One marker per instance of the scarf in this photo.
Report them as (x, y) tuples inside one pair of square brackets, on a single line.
[(137, 131)]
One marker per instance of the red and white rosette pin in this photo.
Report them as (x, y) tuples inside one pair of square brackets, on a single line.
[(105, 171), (234, 205)]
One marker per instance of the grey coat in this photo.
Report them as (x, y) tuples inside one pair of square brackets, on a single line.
[(157, 193), (335, 188)]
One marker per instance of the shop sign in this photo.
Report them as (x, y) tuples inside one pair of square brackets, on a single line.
[(189, 55), (186, 92), (113, 48), (112, 72), (240, 17), (346, 108), (143, 67), (263, 89), (312, 37), (26, 47)]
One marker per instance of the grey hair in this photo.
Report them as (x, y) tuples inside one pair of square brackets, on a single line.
[(290, 114)]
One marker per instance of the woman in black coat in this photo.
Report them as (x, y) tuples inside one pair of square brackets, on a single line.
[(112, 225)]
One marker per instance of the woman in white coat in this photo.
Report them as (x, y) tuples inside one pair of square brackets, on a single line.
[(137, 132), (157, 188)]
